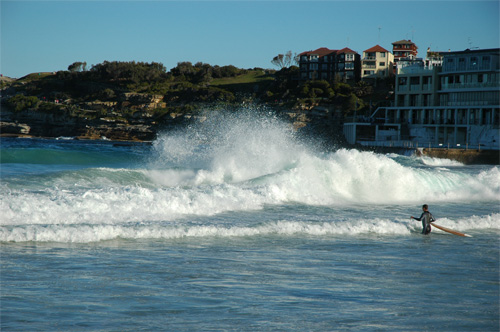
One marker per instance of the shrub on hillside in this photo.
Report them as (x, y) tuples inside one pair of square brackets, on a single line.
[(20, 102)]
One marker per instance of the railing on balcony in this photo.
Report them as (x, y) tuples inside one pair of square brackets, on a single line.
[(470, 85)]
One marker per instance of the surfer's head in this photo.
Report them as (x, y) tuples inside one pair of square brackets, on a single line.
[(425, 207)]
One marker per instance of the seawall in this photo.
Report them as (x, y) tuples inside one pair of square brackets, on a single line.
[(468, 157)]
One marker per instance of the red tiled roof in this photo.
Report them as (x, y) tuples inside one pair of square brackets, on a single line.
[(376, 48), (326, 51), (322, 51), (346, 50)]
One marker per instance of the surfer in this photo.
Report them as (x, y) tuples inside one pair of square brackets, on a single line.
[(426, 217)]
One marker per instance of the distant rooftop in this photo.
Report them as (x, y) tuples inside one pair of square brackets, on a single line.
[(376, 48)]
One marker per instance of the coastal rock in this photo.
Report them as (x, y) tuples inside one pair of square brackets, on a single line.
[(14, 128)]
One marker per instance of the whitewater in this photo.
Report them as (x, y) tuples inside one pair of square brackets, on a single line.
[(238, 223)]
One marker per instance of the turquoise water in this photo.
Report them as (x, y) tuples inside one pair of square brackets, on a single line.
[(236, 224)]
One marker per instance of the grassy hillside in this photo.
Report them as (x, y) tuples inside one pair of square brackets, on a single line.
[(252, 77), (250, 82)]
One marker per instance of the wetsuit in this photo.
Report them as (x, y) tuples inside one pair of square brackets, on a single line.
[(426, 219)]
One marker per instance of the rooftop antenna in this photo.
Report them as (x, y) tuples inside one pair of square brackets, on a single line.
[(379, 28), (412, 33)]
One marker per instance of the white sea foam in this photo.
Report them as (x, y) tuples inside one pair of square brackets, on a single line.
[(85, 233), (491, 221), (231, 164), (440, 162)]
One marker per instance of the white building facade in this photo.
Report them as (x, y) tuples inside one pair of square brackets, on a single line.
[(456, 105)]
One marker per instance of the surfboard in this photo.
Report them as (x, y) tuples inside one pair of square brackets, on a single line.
[(450, 230)]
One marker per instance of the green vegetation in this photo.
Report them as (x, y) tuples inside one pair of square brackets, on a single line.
[(126, 88), (255, 76), (20, 103)]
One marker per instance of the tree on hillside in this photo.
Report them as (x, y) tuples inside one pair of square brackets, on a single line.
[(77, 66), (284, 60), (129, 71)]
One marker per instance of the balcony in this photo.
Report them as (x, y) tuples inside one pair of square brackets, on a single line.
[(470, 85)]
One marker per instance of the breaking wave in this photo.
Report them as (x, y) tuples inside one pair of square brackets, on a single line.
[(230, 162)]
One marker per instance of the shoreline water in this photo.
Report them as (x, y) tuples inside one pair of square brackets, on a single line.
[(245, 227)]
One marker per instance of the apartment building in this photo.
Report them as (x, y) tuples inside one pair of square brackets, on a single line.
[(404, 49), (377, 62), (318, 64), (456, 104), (326, 64)]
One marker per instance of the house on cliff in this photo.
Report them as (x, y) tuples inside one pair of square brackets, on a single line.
[(377, 62)]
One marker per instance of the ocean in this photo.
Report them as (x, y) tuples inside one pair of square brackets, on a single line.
[(239, 224)]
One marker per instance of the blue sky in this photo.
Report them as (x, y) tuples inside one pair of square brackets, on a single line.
[(41, 36)]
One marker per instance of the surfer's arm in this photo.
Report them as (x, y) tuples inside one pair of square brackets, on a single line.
[(418, 218)]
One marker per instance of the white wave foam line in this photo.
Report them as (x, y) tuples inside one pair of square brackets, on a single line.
[(472, 223), (95, 233), (123, 204)]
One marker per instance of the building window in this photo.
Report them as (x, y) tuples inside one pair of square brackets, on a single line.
[(473, 62), (349, 65), (426, 101), (313, 66), (382, 64), (486, 62), (461, 63), (382, 54), (349, 57), (413, 100)]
